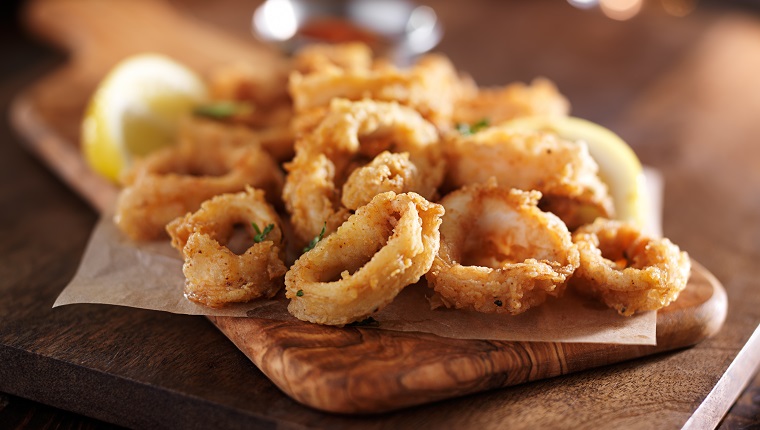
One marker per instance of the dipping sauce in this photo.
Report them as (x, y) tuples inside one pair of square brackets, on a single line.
[(337, 30)]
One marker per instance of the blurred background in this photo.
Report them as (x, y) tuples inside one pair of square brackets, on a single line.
[(599, 52)]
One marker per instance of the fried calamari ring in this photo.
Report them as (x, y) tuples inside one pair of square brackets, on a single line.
[(497, 105), (500, 253), (263, 90), (216, 275), (629, 272), (386, 172), (387, 245), (175, 180), (311, 198), (346, 56), (562, 171), (262, 86), (430, 87), (276, 139), (351, 133)]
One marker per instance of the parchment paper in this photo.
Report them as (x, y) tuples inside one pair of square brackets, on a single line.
[(116, 271)]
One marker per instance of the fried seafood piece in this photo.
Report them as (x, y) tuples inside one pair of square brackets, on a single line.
[(346, 56), (350, 135), (311, 197), (215, 275), (626, 270), (175, 180), (430, 87), (306, 121), (277, 139), (262, 86), (563, 171), (385, 246), (386, 172), (265, 106), (499, 253), (497, 105)]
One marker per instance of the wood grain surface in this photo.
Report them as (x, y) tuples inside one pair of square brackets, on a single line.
[(146, 369), (352, 370)]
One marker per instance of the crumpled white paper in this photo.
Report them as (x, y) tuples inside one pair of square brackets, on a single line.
[(117, 271)]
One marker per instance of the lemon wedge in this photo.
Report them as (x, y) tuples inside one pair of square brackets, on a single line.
[(136, 110), (619, 167)]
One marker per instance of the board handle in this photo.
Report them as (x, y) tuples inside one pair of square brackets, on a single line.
[(98, 34)]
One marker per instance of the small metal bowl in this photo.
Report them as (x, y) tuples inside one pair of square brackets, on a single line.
[(397, 29)]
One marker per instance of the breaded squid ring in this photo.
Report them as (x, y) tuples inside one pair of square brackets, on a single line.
[(311, 198), (350, 133), (215, 275), (430, 87), (352, 56), (386, 172), (562, 171), (497, 105), (388, 244), (626, 270), (277, 138), (175, 180), (500, 253)]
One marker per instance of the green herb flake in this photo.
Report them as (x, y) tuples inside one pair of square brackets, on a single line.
[(469, 129), (299, 293), (367, 322), (260, 235), (316, 239), (222, 109), (480, 125)]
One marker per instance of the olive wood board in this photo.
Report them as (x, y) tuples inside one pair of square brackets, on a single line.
[(347, 370)]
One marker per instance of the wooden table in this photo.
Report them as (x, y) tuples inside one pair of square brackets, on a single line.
[(684, 92)]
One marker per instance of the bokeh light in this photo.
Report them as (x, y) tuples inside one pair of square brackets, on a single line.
[(583, 4), (620, 10), (679, 8), (276, 20)]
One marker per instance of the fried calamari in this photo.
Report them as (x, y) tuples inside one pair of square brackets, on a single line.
[(369, 148), (497, 105), (388, 244), (175, 180), (276, 139), (431, 87), (215, 274), (352, 57), (499, 252), (350, 135), (386, 172), (626, 270), (562, 171)]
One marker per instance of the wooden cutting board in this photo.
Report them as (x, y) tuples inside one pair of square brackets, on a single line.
[(349, 370)]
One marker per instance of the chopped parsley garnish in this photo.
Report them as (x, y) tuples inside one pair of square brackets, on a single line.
[(260, 235), (367, 322), (468, 129), (316, 239), (222, 109), (299, 293), (463, 128)]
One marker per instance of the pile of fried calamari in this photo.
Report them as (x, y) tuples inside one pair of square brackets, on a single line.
[(349, 179)]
